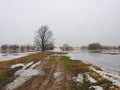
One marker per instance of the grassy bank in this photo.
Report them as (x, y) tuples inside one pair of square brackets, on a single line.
[(75, 67), (7, 74), (70, 68)]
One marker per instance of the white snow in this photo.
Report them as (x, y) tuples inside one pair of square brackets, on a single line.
[(17, 65), (29, 72), (34, 65), (8, 56), (79, 78), (97, 88), (109, 74), (16, 83), (92, 80), (56, 74), (23, 75), (57, 49), (23, 69)]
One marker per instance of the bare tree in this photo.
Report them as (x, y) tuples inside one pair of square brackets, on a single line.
[(43, 37), (84, 47), (118, 47), (22, 48), (28, 48), (66, 47), (50, 46), (4, 48), (14, 48), (95, 46)]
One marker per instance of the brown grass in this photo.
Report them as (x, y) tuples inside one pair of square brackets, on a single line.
[(6, 74), (33, 57), (69, 67), (46, 81), (75, 67)]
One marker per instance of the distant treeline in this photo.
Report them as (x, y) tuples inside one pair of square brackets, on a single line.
[(66, 47), (98, 46), (22, 48)]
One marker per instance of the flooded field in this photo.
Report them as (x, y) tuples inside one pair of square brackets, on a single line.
[(10, 56), (100, 58)]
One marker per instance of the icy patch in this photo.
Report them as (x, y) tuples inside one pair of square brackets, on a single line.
[(17, 65), (24, 75), (28, 64), (56, 74), (16, 83), (24, 68), (8, 56), (97, 88), (34, 65), (109, 74), (92, 80), (57, 50), (29, 72), (79, 78)]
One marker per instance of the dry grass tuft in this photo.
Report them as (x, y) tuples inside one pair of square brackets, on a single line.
[(6, 74)]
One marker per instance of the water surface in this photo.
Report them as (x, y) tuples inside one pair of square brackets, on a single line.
[(108, 60)]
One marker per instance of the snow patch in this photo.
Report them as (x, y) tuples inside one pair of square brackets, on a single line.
[(92, 80), (109, 74), (8, 56), (56, 74), (29, 72), (97, 88), (16, 83), (17, 65), (23, 75), (79, 78), (23, 69), (34, 65)]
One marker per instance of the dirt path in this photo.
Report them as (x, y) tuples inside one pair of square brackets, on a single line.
[(51, 83), (58, 72), (48, 81)]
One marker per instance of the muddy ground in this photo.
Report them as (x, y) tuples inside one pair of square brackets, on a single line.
[(59, 72)]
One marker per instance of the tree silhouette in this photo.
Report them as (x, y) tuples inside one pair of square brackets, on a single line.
[(43, 37)]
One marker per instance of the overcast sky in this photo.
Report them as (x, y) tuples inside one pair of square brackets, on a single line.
[(75, 22)]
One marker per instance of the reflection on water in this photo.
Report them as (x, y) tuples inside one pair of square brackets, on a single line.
[(95, 51), (97, 57)]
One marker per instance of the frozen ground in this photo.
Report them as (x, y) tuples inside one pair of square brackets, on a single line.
[(112, 75), (109, 64), (8, 56), (79, 78), (97, 88), (92, 80), (23, 74), (56, 74)]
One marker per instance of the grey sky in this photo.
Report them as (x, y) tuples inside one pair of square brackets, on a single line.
[(76, 22)]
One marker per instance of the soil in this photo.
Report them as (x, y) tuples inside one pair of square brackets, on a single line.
[(67, 69), (47, 81)]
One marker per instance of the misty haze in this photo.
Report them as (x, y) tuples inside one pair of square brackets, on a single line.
[(59, 45)]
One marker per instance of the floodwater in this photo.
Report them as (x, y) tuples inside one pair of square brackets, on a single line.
[(10, 56), (107, 60)]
